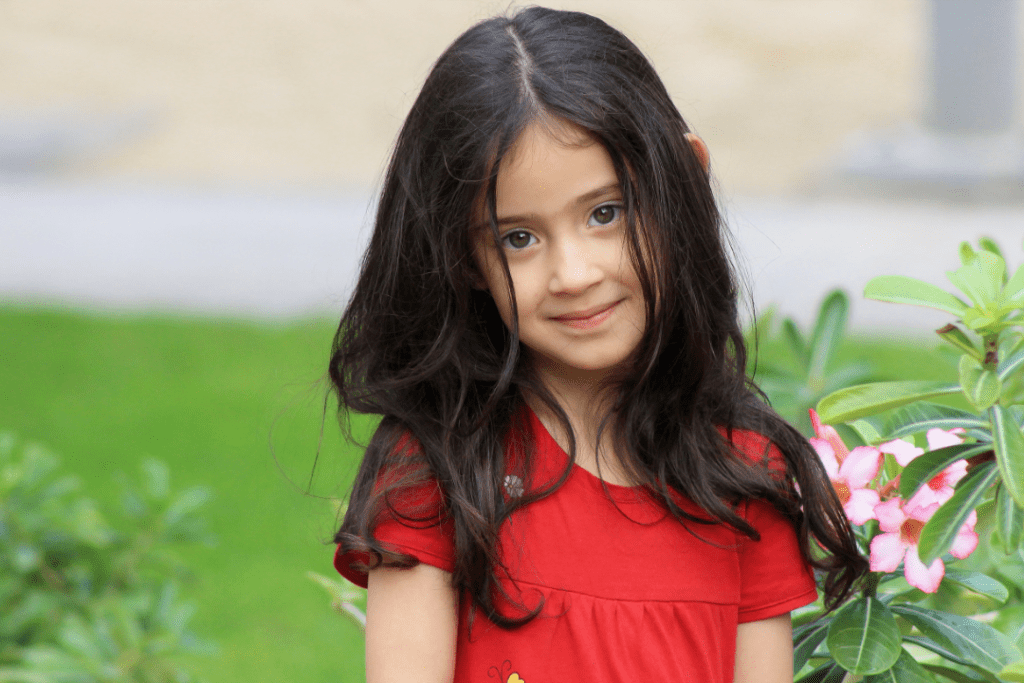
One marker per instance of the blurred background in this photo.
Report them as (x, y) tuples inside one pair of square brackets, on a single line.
[(186, 185)]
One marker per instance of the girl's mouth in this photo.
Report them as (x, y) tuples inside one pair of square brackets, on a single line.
[(589, 318)]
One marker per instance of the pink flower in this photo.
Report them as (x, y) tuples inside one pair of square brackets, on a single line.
[(829, 434), (940, 438), (849, 471), (939, 488), (903, 451), (902, 523)]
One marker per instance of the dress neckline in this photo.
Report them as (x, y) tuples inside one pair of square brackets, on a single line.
[(546, 443)]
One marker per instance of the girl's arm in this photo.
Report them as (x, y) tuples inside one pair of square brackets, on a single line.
[(411, 624), (764, 651)]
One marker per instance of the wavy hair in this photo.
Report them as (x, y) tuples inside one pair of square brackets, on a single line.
[(420, 346)]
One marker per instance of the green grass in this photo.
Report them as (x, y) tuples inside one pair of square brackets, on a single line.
[(235, 406)]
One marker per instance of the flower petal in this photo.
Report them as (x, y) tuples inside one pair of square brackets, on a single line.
[(890, 515), (952, 474), (920, 576), (827, 455), (965, 542), (860, 467), (829, 434), (940, 438), (886, 552), (903, 451), (861, 506), (971, 520), (926, 496), (922, 513)]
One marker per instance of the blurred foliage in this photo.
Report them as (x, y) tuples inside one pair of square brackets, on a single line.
[(795, 369), (346, 598), (86, 595)]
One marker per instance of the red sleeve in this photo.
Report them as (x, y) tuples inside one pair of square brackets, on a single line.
[(427, 536), (774, 577)]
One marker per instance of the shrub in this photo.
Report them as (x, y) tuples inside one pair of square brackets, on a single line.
[(86, 595), (933, 484)]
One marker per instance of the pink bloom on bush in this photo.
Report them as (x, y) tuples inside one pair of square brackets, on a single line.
[(939, 488), (902, 522), (941, 438), (903, 451), (849, 471), (828, 433)]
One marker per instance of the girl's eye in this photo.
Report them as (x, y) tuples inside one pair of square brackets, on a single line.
[(518, 239), (605, 215)]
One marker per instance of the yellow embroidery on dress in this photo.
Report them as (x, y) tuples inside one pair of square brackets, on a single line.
[(514, 678)]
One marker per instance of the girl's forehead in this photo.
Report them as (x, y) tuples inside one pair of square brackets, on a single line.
[(544, 134), (528, 160)]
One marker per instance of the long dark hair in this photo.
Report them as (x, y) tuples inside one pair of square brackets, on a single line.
[(420, 346)]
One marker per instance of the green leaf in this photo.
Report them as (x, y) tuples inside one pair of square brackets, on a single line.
[(25, 558), (955, 336), (828, 331), (905, 670), (981, 279), (975, 642), (851, 403), (807, 641), (830, 672), (1009, 520), (156, 478), (940, 531), (922, 416), (795, 340), (1009, 365), (979, 583), (869, 429), (899, 289), (989, 244), (186, 502), (932, 646), (1013, 292), (1014, 672), (959, 676), (978, 318), (924, 467), (1009, 447), (981, 386), (863, 637), (966, 253)]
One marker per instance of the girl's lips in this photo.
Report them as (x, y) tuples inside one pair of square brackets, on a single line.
[(589, 318)]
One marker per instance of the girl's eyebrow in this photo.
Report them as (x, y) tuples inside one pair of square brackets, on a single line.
[(584, 198)]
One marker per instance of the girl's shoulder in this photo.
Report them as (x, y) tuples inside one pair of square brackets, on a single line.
[(756, 448)]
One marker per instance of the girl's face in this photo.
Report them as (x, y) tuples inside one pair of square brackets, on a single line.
[(563, 230)]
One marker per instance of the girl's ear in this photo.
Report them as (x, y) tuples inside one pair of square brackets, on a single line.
[(700, 149)]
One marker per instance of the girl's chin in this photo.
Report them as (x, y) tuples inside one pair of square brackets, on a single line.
[(559, 369)]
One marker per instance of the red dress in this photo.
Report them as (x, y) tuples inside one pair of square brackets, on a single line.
[(629, 594)]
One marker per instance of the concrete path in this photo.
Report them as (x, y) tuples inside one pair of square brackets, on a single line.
[(252, 254)]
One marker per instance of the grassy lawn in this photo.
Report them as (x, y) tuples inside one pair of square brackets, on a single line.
[(231, 405), (236, 406)]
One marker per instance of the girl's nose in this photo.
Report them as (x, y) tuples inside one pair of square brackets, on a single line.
[(574, 269)]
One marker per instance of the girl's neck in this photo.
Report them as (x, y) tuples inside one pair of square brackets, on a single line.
[(586, 401)]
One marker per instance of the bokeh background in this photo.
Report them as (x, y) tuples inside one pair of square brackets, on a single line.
[(185, 187), (312, 92)]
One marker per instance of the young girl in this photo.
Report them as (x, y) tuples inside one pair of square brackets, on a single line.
[(573, 479)]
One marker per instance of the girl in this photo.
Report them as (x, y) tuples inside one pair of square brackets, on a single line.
[(573, 479)]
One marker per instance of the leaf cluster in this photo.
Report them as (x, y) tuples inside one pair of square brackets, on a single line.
[(795, 369), (87, 594), (879, 633)]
